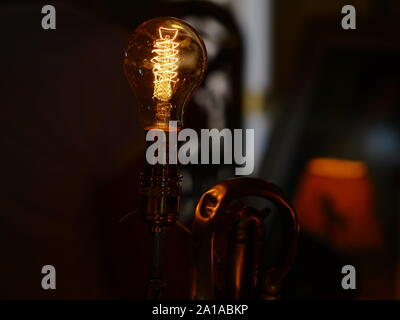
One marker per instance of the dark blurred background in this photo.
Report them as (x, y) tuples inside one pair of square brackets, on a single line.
[(324, 103)]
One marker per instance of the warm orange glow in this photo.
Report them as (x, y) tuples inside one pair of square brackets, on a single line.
[(165, 63), (337, 168), (335, 202)]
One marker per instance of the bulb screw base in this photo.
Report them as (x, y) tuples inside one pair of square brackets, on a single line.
[(160, 192)]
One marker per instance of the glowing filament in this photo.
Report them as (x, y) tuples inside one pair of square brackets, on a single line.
[(165, 63)]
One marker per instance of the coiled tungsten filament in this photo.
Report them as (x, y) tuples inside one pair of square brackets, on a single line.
[(165, 63)]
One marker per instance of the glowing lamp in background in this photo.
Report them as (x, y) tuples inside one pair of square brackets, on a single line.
[(335, 202)]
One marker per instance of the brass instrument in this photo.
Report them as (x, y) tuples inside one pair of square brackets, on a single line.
[(262, 284)]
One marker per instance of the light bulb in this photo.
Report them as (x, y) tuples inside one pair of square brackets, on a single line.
[(165, 62)]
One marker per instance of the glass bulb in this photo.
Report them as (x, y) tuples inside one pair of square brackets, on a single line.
[(165, 62)]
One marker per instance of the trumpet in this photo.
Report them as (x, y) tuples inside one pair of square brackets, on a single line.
[(245, 275)]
